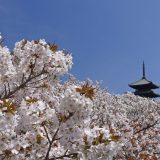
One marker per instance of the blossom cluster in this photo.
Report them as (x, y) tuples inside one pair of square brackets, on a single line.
[(45, 118), (136, 120)]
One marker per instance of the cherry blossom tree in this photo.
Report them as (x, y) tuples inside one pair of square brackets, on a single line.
[(135, 119), (45, 118)]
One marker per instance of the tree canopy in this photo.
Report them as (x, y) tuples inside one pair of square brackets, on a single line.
[(44, 118)]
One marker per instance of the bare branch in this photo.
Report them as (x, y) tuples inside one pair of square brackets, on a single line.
[(5, 90), (9, 87), (46, 132), (157, 153), (23, 84), (23, 78), (50, 144), (147, 127), (38, 80)]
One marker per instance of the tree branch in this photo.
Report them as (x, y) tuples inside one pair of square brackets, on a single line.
[(23, 83), (147, 127), (45, 129), (50, 143)]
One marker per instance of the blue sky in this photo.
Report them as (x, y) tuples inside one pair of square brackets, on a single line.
[(109, 39)]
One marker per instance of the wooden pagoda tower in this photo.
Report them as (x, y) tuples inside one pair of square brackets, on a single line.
[(144, 87)]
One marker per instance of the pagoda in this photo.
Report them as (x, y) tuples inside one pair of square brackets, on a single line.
[(143, 87)]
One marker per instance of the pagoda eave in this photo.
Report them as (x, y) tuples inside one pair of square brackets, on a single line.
[(149, 94), (144, 86)]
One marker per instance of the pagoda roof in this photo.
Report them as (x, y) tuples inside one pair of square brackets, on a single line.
[(149, 94), (143, 84)]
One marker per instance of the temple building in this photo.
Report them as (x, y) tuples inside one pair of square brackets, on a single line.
[(144, 87)]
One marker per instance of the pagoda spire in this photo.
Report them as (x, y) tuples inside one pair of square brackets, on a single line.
[(144, 75)]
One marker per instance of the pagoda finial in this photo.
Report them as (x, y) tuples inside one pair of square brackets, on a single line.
[(144, 76)]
